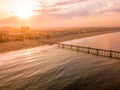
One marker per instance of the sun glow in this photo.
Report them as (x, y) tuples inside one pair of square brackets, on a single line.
[(24, 9)]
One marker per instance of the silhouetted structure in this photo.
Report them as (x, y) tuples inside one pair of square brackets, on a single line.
[(5, 30), (25, 30), (95, 51)]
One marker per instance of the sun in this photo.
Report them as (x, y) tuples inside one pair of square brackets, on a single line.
[(24, 9), (24, 13)]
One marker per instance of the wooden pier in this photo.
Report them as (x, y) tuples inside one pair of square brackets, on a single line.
[(95, 51)]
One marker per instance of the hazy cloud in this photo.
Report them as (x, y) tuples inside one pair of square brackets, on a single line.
[(65, 13), (68, 2), (76, 8)]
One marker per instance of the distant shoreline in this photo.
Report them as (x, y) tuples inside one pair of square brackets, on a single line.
[(18, 45)]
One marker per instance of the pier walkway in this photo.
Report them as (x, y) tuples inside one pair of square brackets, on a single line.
[(95, 51)]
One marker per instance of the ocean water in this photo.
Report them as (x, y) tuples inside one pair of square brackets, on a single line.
[(53, 68), (106, 41)]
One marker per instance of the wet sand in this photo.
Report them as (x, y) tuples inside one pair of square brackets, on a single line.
[(17, 45)]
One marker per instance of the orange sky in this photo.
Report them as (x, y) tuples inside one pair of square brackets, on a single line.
[(60, 13)]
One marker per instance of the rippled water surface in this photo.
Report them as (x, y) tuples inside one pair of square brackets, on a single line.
[(53, 68)]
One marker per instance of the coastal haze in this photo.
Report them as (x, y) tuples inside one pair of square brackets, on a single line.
[(59, 45)]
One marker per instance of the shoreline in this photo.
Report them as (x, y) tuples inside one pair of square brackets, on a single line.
[(19, 45)]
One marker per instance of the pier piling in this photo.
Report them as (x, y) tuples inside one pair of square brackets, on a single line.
[(95, 51)]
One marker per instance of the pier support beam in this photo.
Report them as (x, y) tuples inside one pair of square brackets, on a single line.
[(110, 54), (88, 49), (78, 48), (95, 51)]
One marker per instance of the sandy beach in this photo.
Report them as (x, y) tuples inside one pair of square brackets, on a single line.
[(17, 45)]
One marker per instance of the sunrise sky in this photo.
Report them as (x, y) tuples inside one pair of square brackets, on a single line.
[(60, 13)]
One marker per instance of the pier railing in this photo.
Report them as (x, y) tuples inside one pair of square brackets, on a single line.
[(95, 51)]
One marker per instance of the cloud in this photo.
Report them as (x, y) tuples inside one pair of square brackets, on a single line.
[(59, 12), (68, 2), (78, 8)]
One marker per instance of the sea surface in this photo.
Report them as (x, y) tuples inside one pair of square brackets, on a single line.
[(106, 41), (53, 68)]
